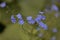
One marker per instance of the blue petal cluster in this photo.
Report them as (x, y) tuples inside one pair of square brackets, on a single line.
[(19, 16), (3, 4), (13, 20), (54, 7), (30, 20), (21, 22), (38, 18), (44, 26)]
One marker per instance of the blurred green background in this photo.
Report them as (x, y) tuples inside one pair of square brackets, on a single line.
[(27, 8)]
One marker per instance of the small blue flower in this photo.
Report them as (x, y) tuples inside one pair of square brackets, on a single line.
[(13, 19), (41, 24), (44, 26), (54, 7), (38, 19), (3, 4), (21, 22), (31, 21), (19, 16), (43, 17), (29, 18), (54, 30)]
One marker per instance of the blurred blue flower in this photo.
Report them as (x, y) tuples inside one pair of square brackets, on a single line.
[(13, 19), (29, 18), (19, 16), (44, 26), (41, 24), (3, 4), (43, 17), (54, 30), (31, 21), (21, 21), (54, 7), (38, 18)]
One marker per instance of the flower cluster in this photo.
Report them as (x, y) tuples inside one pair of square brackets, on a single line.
[(30, 20), (13, 20), (19, 16), (39, 19)]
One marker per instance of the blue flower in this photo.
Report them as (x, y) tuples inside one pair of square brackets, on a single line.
[(13, 19), (44, 26), (19, 16), (54, 7), (41, 24), (29, 18), (38, 19), (21, 21), (31, 21), (43, 17), (54, 30), (3, 4)]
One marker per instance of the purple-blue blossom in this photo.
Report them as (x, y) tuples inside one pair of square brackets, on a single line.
[(3, 4), (44, 26), (38, 18), (13, 20), (29, 18), (19, 16), (43, 17), (41, 24), (54, 7), (21, 21), (31, 21)]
